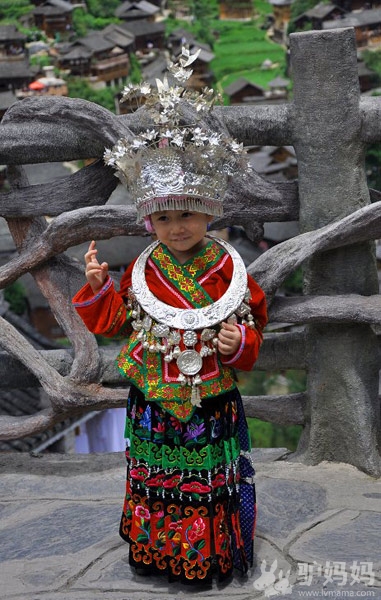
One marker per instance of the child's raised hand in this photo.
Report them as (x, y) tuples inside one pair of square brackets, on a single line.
[(229, 339), (96, 274)]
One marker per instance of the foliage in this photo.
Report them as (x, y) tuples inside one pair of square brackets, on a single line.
[(40, 61), (33, 34), (264, 434), (268, 435), (16, 295), (84, 21), (373, 166), (135, 75), (240, 51), (298, 8), (14, 9), (372, 59), (294, 282), (102, 8), (204, 10), (81, 89)]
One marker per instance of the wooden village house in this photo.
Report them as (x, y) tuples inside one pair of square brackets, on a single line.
[(367, 25), (318, 15), (99, 56), (12, 43), (282, 16), (14, 66), (235, 9), (242, 91), (134, 11), (51, 16), (147, 34)]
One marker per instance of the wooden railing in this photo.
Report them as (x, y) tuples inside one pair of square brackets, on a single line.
[(329, 125)]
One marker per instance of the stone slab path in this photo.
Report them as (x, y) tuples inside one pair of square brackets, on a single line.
[(318, 532)]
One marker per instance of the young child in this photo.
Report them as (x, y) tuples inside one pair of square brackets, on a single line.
[(190, 315)]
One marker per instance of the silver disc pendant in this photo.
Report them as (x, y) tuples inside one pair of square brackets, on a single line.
[(189, 362)]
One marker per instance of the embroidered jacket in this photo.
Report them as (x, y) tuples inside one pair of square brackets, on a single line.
[(199, 282)]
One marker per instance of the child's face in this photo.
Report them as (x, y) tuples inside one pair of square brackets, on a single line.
[(181, 231)]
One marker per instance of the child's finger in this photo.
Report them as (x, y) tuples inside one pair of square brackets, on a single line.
[(90, 255)]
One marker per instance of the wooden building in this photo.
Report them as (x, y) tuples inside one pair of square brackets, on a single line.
[(53, 16), (15, 75), (12, 43), (282, 16), (147, 34), (367, 25), (135, 11), (236, 9), (318, 15), (98, 57), (6, 100), (350, 5), (243, 91)]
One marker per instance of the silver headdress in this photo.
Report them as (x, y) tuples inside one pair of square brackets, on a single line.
[(173, 166)]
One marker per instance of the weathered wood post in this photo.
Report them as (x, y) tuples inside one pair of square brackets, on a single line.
[(343, 417)]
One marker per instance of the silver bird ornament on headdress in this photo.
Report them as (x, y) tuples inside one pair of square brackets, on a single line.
[(171, 165)]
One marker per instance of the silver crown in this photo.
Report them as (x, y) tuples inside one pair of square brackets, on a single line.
[(173, 166)]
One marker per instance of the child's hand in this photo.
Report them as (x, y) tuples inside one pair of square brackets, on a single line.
[(229, 339), (96, 274)]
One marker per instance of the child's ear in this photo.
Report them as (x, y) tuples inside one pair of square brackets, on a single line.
[(148, 225), (209, 219)]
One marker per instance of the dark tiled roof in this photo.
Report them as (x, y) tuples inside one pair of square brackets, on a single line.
[(239, 85), (26, 402), (118, 36), (7, 99), (15, 70), (356, 19), (320, 11), (10, 32), (142, 27), (95, 42), (141, 8)]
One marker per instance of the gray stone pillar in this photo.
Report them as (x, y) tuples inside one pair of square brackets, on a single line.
[(343, 413)]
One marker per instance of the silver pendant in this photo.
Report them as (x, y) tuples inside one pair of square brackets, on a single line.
[(197, 318), (190, 338), (189, 362)]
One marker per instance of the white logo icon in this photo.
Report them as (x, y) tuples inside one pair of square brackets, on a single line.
[(268, 582)]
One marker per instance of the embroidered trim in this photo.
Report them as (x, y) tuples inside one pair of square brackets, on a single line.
[(109, 283), (116, 318), (184, 277), (166, 283), (240, 349), (214, 269)]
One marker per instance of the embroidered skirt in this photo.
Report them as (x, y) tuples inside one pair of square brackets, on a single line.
[(189, 510)]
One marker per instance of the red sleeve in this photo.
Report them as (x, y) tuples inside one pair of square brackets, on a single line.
[(251, 339), (106, 312)]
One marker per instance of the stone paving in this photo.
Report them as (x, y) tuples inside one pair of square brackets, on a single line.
[(59, 532)]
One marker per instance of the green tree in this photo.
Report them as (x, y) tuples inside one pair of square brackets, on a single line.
[(204, 10), (16, 295), (84, 21), (11, 10), (204, 13), (78, 88), (102, 8), (135, 75), (298, 8)]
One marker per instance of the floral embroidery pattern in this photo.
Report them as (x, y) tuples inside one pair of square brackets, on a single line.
[(181, 507), (144, 515), (193, 534)]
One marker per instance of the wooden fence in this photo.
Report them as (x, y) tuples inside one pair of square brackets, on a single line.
[(330, 126)]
